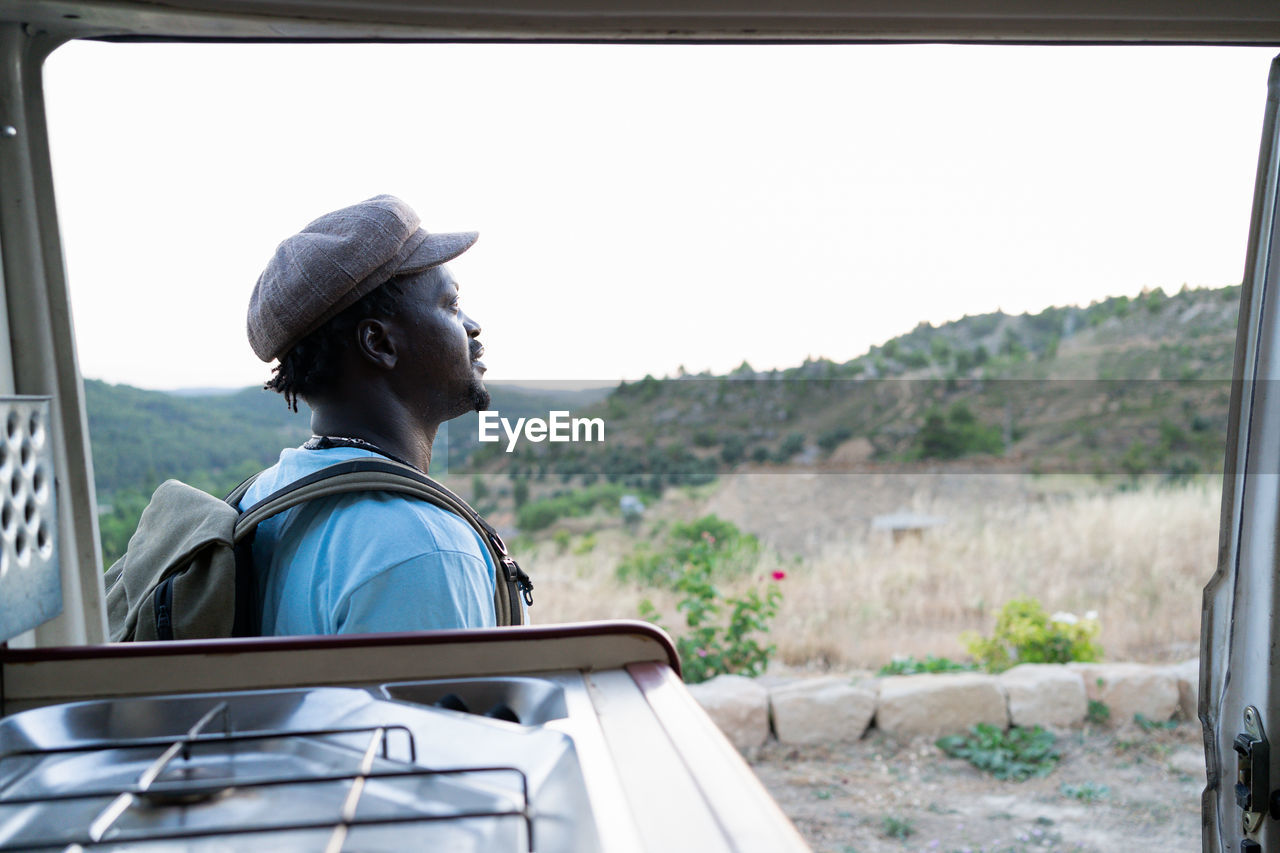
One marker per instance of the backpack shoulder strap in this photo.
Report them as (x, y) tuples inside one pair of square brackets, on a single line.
[(238, 493), (367, 474)]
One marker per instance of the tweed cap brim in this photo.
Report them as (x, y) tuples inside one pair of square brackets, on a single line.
[(437, 249), (335, 261)]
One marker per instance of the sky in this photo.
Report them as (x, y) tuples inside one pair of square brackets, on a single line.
[(644, 208)]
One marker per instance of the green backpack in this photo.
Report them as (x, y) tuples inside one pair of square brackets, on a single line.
[(188, 571)]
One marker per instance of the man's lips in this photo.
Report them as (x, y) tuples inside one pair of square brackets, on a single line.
[(476, 352)]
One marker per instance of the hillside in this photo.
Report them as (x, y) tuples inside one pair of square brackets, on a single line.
[(143, 437), (1124, 386)]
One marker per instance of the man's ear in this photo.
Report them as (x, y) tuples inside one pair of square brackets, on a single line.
[(376, 343)]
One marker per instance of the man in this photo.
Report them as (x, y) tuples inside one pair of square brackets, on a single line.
[(363, 316)]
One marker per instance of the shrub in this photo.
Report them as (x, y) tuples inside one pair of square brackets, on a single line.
[(711, 648), (1097, 713), (940, 349), (1182, 470), (1136, 459), (915, 359), (900, 828), (1149, 725), (1024, 633), (1202, 423), (540, 514), (1086, 792), (967, 360), (830, 439), (1018, 754), (1155, 299), (733, 450), (914, 666), (709, 542), (1012, 346), (954, 434), (790, 446), (725, 634)]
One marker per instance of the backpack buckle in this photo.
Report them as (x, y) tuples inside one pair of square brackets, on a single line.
[(520, 578)]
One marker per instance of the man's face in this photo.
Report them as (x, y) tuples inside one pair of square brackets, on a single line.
[(441, 364)]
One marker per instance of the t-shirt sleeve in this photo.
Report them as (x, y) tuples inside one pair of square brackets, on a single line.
[(437, 591)]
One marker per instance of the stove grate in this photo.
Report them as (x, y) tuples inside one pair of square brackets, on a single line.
[(99, 831)]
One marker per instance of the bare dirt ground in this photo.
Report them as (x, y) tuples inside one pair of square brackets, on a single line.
[(1126, 789)]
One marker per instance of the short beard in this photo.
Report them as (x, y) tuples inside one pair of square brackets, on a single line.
[(480, 397)]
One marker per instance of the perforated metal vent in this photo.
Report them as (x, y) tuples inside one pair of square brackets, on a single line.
[(30, 585)]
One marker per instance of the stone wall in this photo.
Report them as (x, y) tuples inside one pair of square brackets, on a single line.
[(830, 709)]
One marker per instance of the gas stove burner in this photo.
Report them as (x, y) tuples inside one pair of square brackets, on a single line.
[(500, 711), (452, 702)]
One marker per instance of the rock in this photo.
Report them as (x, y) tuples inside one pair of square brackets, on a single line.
[(774, 681), (1187, 674), (1128, 689), (941, 704), (1044, 694), (738, 705), (853, 452), (822, 710), (779, 676)]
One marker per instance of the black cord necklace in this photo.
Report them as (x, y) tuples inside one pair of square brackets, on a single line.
[(326, 442)]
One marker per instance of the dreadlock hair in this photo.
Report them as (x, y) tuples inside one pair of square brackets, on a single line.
[(308, 370)]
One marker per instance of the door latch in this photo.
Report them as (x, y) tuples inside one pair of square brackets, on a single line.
[(1253, 771)]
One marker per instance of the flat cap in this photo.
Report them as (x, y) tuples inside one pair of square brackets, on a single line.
[(328, 266)]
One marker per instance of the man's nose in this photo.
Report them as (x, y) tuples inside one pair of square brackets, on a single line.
[(472, 327)]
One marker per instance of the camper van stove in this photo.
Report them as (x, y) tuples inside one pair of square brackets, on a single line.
[(397, 767), (545, 738)]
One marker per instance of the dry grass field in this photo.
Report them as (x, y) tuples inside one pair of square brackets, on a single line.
[(854, 598)]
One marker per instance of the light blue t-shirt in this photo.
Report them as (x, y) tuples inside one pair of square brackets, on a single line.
[(365, 562)]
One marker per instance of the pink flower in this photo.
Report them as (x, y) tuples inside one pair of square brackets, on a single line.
[(779, 575), (702, 653)]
